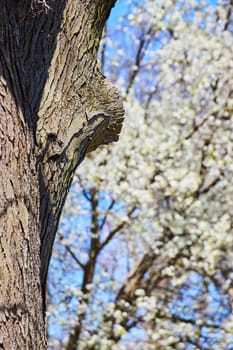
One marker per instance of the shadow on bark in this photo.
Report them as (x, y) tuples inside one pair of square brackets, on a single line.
[(28, 32)]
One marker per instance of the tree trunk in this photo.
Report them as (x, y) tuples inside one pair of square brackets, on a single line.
[(55, 106)]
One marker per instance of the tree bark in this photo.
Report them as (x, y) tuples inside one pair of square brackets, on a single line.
[(55, 107)]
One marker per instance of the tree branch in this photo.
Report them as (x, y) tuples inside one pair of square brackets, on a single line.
[(143, 44), (79, 110), (115, 230), (106, 214), (74, 257)]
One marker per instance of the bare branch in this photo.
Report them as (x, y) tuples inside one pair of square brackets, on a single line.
[(106, 214), (74, 257), (117, 229), (143, 44)]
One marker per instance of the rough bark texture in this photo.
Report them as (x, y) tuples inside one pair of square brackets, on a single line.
[(20, 294), (55, 106)]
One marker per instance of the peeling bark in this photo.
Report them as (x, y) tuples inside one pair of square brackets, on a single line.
[(55, 106)]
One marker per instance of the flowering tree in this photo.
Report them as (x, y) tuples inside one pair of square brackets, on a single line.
[(143, 257)]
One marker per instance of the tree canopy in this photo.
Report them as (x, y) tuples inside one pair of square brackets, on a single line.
[(143, 257)]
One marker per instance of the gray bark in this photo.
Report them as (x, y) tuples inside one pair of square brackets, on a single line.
[(55, 106)]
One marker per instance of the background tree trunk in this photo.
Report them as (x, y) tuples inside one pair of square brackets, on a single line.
[(55, 107)]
